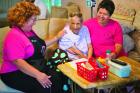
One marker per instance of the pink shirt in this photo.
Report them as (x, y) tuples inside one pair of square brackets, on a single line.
[(104, 38), (16, 46)]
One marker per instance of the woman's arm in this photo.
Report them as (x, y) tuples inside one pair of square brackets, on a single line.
[(118, 39), (90, 50), (54, 39), (26, 68), (118, 48), (77, 52), (51, 41)]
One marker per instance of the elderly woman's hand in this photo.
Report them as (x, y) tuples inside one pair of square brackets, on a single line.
[(44, 80)]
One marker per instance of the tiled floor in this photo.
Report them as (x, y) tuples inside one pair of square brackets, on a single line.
[(122, 90), (138, 90)]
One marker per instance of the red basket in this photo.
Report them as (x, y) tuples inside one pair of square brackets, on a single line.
[(102, 72), (87, 74)]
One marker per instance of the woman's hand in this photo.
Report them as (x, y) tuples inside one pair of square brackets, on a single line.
[(26, 68), (44, 80), (54, 39), (113, 55)]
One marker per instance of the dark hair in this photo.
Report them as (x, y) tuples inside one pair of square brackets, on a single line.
[(108, 5), (78, 14), (32, 1)]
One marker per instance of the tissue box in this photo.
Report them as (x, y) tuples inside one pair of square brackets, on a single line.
[(119, 70)]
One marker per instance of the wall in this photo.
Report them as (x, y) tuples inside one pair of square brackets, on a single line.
[(134, 4), (5, 4), (82, 3)]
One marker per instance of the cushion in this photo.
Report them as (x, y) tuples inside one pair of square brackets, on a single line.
[(59, 12), (127, 28), (128, 43), (55, 25), (41, 28), (136, 22), (3, 32), (124, 15), (136, 37), (134, 55), (138, 46)]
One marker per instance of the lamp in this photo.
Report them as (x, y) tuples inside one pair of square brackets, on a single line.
[(91, 4)]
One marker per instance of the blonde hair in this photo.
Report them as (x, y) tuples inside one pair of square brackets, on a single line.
[(21, 12), (78, 14)]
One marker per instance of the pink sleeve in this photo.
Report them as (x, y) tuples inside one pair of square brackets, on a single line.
[(14, 48), (87, 23), (118, 37)]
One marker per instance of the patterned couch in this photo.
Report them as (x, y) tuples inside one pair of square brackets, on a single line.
[(127, 12)]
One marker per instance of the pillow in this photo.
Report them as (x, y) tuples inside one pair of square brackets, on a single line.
[(124, 14), (138, 46), (134, 55), (128, 43), (41, 28), (59, 12), (55, 25), (136, 35), (136, 38), (136, 22), (3, 32), (127, 28)]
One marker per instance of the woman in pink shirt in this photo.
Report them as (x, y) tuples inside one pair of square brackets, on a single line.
[(23, 66), (106, 34)]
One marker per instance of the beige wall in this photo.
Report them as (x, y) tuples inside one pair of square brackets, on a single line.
[(134, 4), (86, 10), (82, 3)]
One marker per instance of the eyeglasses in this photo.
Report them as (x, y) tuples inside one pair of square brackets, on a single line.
[(32, 19)]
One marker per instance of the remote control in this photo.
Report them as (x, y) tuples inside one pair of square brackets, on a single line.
[(119, 62)]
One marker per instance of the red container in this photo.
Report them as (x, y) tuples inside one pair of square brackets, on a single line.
[(93, 74), (102, 73), (87, 74)]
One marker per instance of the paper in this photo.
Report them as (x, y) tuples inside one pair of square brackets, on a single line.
[(73, 63)]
